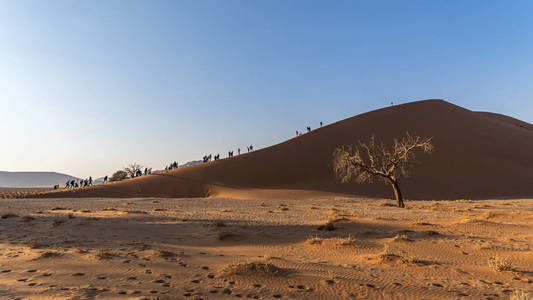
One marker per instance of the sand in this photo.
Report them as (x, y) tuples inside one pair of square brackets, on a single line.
[(219, 248), (477, 156)]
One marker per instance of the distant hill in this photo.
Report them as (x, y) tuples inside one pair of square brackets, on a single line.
[(33, 179)]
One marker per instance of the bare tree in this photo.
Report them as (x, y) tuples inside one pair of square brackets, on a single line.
[(364, 161), (132, 169)]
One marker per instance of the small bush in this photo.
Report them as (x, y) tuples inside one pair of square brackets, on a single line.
[(118, 176), (328, 226), (105, 254), (9, 215), (519, 295), (500, 264), (314, 241)]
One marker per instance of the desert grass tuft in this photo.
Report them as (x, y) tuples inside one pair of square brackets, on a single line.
[(328, 227), (519, 295), (33, 244), (314, 240), (500, 264), (105, 254), (9, 215), (256, 267)]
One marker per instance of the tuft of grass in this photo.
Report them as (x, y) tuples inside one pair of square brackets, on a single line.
[(489, 214), (59, 208), (348, 241), (9, 215), (105, 254), (57, 222), (314, 240), (500, 264), (519, 295), (401, 238), (33, 244), (220, 224), (256, 267), (50, 254), (27, 219), (328, 226), (167, 254), (222, 236)]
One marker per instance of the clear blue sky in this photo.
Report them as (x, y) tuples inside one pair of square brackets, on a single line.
[(89, 86)]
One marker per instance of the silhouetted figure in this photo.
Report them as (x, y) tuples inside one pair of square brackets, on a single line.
[(145, 171), (105, 179), (251, 148), (320, 123), (239, 151), (308, 129), (56, 186), (391, 103), (67, 185), (90, 180), (175, 164)]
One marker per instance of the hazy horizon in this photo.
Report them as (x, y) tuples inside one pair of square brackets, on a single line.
[(88, 87)]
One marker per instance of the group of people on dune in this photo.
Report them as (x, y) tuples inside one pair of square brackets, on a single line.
[(74, 183), (172, 165), (210, 157), (298, 133)]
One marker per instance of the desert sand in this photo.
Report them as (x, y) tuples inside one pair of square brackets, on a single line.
[(477, 156), (219, 248)]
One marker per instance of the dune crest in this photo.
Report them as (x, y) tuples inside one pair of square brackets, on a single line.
[(477, 155)]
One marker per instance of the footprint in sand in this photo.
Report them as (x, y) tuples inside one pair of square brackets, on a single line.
[(22, 279), (6, 271), (78, 274), (31, 271)]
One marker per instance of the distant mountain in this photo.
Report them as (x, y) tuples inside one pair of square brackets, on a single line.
[(191, 163), (33, 179)]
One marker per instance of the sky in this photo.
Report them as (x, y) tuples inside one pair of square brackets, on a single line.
[(87, 87)]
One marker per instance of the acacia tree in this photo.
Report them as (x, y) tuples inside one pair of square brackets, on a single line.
[(364, 161), (132, 169)]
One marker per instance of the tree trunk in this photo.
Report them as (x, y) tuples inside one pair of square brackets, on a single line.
[(397, 192)]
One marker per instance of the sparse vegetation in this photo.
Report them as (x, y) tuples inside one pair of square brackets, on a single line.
[(314, 240), (118, 176), (132, 169), (328, 226), (105, 254), (519, 295), (257, 267), (9, 215), (500, 264), (364, 161)]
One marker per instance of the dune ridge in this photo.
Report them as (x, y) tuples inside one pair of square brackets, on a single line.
[(477, 155)]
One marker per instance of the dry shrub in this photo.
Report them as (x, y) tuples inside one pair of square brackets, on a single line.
[(314, 240), (33, 244), (105, 254), (50, 254), (27, 219), (9, 215), (59, 208), (401, 238), (429, 233), (347, 241), (489, 214), (57, 222), (222, 236), (387, 254), (138, 212), (167, 254), (258, 267), (500, 264), (328, 226), (519, 295), (219, 224)]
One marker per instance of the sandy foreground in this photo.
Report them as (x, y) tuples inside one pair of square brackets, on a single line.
[(222, 249)]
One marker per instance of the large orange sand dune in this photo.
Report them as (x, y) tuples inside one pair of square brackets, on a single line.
[(478, 155)]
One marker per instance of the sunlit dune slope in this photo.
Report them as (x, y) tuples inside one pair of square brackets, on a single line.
[(477, 155)]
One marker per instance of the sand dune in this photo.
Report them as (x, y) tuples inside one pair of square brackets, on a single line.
[(478, 155)]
